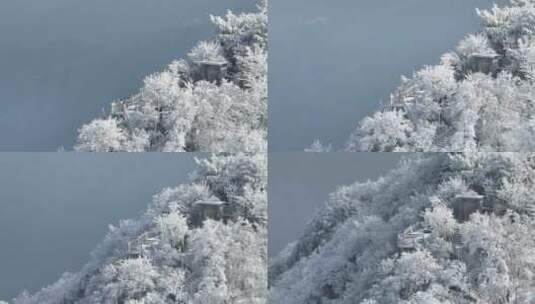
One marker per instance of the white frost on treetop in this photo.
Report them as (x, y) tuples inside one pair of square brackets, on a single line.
[(479, 98), (439, 228), (216, 101), (180, 250)]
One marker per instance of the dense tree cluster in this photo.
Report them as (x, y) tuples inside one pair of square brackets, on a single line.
[(213, 101), (202, 242), (440, 228), (481, 97)]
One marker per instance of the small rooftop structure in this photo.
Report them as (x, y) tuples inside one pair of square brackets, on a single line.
[(485, 63), (397, 102), (412, 238), (131, 111), (141, 245), (211, 208), (465, 204), (122, 108), (211, 70)]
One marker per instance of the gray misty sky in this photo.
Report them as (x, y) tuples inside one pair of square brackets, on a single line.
[(63, 61), (55, 207), (300, 184), (332, 62)]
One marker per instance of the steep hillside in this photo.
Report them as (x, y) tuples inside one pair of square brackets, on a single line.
[(215, 100), (203, 242), (440, 228), (480, 97)]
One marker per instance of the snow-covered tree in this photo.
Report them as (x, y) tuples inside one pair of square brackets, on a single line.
[(101, 135), (478, 98), (385, 131), (213, 101), (201, 242), (439, 228)]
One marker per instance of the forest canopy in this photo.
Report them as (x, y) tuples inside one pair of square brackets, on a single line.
[(439, 228), (215, 100), (201, 242), (480, 97)]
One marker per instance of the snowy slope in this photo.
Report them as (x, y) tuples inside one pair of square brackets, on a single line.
[(202, 242), (440, 228), (479, 98), (215, 100)]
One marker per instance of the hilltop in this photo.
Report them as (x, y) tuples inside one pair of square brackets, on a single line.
[(439, 228), (201, 242), (480, 97)]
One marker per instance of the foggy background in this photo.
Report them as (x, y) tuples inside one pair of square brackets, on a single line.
[(63, 61), (332, 62), (300, 184), (56, 207)]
